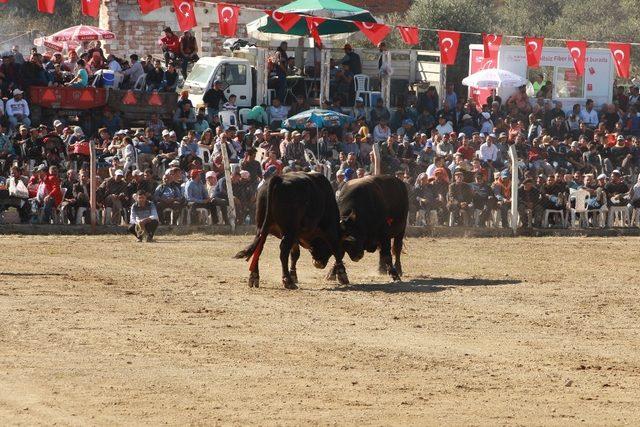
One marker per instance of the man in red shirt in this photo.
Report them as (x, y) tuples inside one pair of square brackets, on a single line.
[(170, 46), (468, 153)]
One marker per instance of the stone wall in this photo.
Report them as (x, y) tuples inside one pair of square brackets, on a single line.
[(139, 33)]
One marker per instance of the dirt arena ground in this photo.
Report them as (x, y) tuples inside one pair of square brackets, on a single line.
[(105, 331)]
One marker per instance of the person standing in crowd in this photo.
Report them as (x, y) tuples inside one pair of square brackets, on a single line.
[(352, 59), (143, 221), (280, 67), (188, 51), (213, 99)]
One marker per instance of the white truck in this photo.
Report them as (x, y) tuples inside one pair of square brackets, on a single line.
[(245, 74)]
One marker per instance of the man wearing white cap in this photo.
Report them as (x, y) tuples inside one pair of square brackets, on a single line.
[(17, 110)]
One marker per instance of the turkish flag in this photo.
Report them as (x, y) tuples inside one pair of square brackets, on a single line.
[(185, 13), (374, 32), (286, 21), (449, 41), (91, 7), (409, 34), (533, 47), (46, 6), (312, 25), (491, 43), (621, 53), (147, 6), (578, 52), (228, 19)]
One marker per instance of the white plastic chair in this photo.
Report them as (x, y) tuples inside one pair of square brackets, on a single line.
[(548, 212), (205, 155), (361, 82), (140, 83), (616, 213), (244, 117), (227, 119), (581, 210)]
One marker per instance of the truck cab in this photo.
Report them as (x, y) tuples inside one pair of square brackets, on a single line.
[(238, 77)]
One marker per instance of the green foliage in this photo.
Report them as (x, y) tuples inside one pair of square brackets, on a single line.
[(23, 16)]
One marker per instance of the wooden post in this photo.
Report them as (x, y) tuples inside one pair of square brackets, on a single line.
[(262, 77), (376, 159), (385, 80), (514, 188), (231, 210), (325, 72), (93, 186)]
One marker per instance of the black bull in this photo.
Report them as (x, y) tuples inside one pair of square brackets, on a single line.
[(300, 209), (373, 210)]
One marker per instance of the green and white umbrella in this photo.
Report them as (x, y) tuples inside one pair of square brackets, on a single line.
[(265, 28)]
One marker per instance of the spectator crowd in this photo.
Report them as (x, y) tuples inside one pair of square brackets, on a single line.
[(452, 154)]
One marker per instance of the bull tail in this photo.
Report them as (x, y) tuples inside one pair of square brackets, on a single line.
[(255, 248)]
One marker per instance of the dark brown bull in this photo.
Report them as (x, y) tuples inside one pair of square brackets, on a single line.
[(300, 209), (373, 210)]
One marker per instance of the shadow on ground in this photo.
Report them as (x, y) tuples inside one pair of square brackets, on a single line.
[(422, 285)]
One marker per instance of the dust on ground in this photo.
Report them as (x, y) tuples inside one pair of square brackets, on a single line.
[(104, 330)]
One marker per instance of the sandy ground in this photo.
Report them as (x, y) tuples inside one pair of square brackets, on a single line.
[(104, 331)]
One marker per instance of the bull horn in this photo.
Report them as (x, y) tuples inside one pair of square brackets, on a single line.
[(350, 239)]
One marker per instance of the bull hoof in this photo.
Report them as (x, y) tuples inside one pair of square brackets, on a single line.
[(254, 280), (240, 255), (394, 275), (331, 275), (383, 269), (341, 274), (288, 283), (294, 276)]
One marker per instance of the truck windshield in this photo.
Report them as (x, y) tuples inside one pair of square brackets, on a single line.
[(200, 74)]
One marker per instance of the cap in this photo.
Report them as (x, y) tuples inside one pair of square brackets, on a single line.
[(429, 144), (57, 123), (210, 174), (17, 92), (505, 174), (245, 174), (137, 172), (502, 135), (620, 138), (119, 172), (172, 133), (602, 176), (486, 115), (461, 135), (492, 135), (173, 163), (466, 117), (574, 144), (359, 99), (165, 132), (258, 132), (407, 122), (616, 172)]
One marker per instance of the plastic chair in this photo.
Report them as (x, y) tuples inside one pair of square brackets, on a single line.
[(141, 83), (361, 82), (244, 117), (548, 212), (616, 213), (581, 210), (205, 155), (227, 118)]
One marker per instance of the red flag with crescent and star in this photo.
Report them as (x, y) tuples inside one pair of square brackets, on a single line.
[(312, 24), (374, 32), (91, 7), (409, 34), (449, 41), (228, 19), (185, 14), (491, 44), (286, 21), (148, 6), (578, 53), (533, 47), (621, 53), (46, 6)]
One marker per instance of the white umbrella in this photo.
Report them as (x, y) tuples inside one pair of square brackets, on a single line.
[(494, 78)]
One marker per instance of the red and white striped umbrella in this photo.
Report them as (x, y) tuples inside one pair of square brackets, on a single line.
[(55, 46), (82, 33)]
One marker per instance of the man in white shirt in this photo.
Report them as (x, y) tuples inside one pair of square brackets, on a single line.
[(381, 132), (277, 113), (589, 116), (17, 110), (444, 126), (134, 71), (488, 151)]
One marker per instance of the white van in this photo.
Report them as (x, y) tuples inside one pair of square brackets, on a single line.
[(237, 74)]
